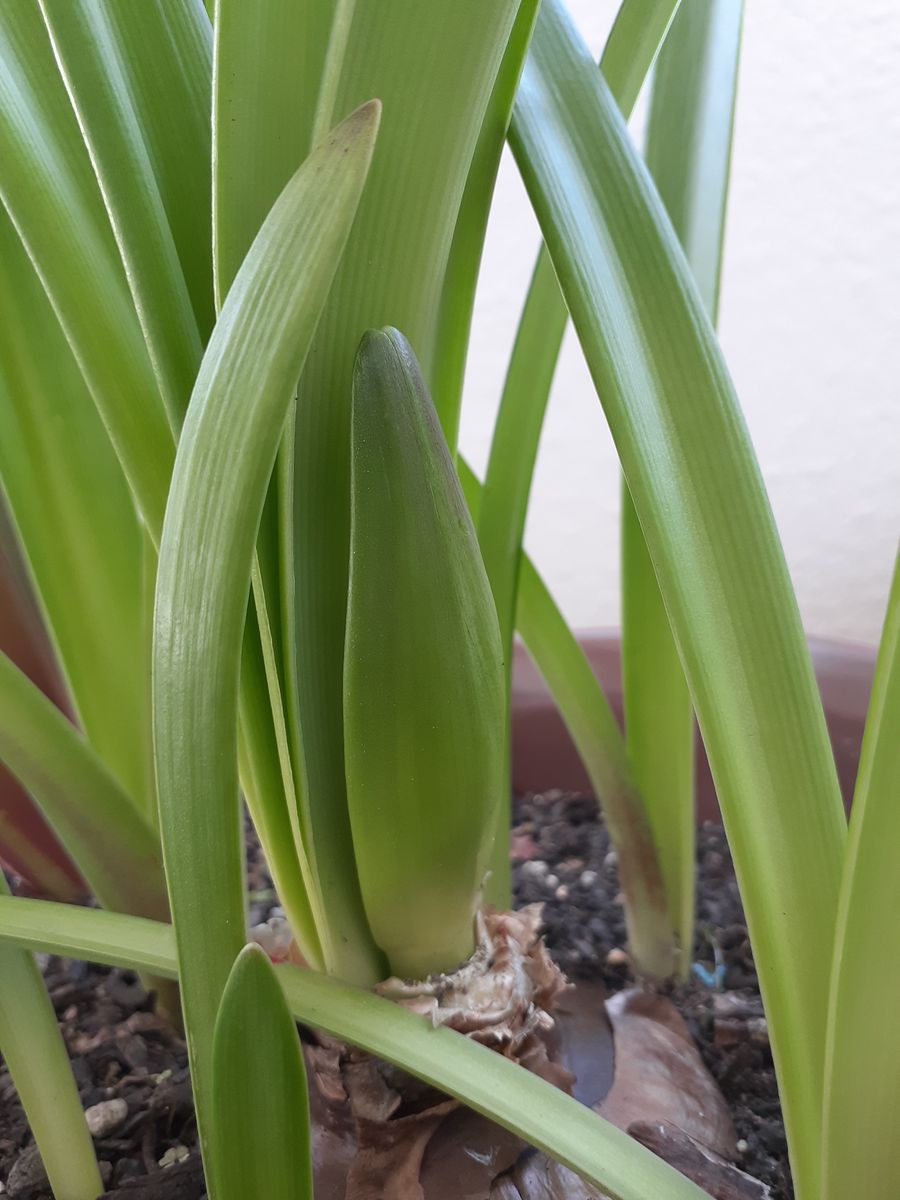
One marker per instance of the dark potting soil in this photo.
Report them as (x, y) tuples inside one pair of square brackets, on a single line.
[(128, 1062), (562, 857)]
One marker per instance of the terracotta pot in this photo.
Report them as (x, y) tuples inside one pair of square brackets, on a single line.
[(544, 757)]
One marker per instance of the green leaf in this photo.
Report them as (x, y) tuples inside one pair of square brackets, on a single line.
[(76, 523), (688, 151), (169, 51), (99, 49), (268, 72), (264, 123), (627, 57), (640, 28), (455, 316), (592, 725), (439, 62), (261, 1108), (464, 261), (224, 461), (423, 677), (704, 512), (27, 843), (36, 1058), (514, 446), (690, 131), (860, 1150), (48, 188), (89, 934), (595, 731), (113, 847), (482, 1079), (268, 795)]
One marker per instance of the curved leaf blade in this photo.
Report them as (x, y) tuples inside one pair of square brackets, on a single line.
[(269, 68), (75, 521), (27, 845), (225, 458), (89, 934), (688, 151), (37, 1060), (464, 260), (97, 60), (484, 1080), (438, 62), (267, 74), (594, 730), (110, 843), (704, 513), (860, 1149), (48, 187), (627, 57)]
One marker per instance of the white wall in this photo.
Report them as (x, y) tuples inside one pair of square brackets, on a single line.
[(810, 320)]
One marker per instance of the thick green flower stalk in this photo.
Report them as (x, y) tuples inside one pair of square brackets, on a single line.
[(423, 675)]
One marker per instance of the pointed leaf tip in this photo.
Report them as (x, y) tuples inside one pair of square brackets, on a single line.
[(261, 1108), (363, 122)]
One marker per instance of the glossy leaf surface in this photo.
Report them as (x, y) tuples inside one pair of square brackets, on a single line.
[(699, 497)]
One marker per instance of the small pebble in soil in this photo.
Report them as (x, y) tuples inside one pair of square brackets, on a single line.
[(175, 1154), (106, 1116)]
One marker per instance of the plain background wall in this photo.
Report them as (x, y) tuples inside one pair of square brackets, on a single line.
[(810, 321)]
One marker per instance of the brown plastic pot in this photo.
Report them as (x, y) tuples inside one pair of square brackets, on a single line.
[(544, 757)]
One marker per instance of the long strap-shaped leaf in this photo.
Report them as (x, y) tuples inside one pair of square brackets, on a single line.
[(704, 512), (75, 520), (627, 57), (266, 104), (529, 1106), (860, 1148), (49, 189), (688, 152), (89, 934), (593, 727), (35, 1055), (27, 844), (433, 66), (224, 461), (112, 846), (267, 74), (455, 321), (97, 59), (464, 261)]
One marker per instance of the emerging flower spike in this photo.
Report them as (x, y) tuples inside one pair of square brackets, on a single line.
[(424, 704)]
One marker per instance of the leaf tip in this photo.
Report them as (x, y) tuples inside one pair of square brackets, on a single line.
[(363, 121)]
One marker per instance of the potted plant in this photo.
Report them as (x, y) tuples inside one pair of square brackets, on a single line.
[(260, 542)]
